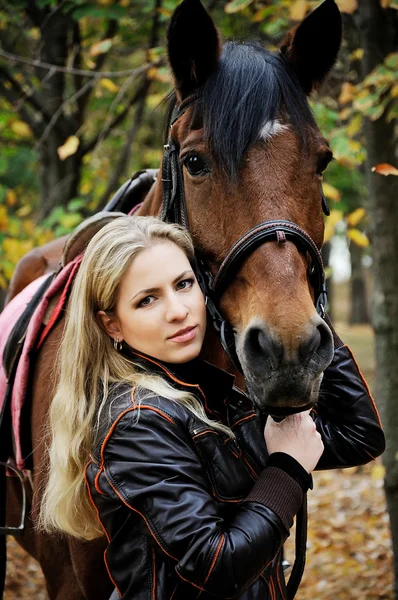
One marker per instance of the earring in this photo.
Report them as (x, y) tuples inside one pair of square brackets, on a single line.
[(117, 344)]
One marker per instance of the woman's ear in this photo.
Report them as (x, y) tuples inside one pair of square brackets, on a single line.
[(109, 324)]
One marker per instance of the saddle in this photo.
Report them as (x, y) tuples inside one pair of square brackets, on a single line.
[(27, 320)]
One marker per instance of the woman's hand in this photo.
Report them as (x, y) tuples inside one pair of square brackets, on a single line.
[(297, 436)]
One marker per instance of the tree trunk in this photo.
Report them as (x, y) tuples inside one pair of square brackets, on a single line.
[(359, 297), (378, 33)]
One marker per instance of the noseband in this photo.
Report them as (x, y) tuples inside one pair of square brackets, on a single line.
[(174, 210)]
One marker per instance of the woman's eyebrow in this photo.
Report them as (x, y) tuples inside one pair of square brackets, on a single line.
[(156, 289)]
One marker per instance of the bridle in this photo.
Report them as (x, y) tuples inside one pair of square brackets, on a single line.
[(174, 209)]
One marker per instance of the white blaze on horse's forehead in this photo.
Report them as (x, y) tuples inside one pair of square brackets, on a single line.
[(272, 128)]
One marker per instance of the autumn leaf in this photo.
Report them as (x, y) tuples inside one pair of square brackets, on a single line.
[(109, 85), (100, 47), (347, 93), (355, 217), (298, 10), (21, 129), (11, 198), (347, 6), (69, 148), (236, 5), (358, 237), (330, 224), (331, 192), (378, 472), (385, 169)]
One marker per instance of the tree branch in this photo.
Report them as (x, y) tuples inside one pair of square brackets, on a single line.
[(59, 69), (109, 33), (13, 99), (126, 152), (29, 97)]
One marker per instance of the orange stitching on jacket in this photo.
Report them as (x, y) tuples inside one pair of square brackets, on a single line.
[(103, 527), (195, 385), (279, 582), (142, 516), (96, 482), (253, 472), (220, 545), (175, 589), (365, 383), (244, 419), (194, 437)]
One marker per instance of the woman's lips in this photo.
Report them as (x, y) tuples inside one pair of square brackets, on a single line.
[(185, 336)]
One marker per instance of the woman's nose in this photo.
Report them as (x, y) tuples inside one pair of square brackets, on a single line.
[(176, 310)]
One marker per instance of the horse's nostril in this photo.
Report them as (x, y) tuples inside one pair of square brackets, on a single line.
[(262, 349), (319, 342)]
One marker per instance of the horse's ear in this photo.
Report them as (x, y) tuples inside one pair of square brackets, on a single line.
[(193, 46), (311, 48)]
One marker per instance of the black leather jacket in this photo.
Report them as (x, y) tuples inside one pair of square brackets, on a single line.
[(190, 513)]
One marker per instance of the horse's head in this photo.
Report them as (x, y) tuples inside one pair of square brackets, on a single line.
[(251, 152)]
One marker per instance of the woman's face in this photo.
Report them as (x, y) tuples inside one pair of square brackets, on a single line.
[(160, 310)]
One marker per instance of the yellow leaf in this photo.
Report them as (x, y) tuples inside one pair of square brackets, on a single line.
[(152, 73), (385, 169), (356, 216), (100, 47), (3, 282), (357, 54), (3, 218), (24, 211), (108, 84), (394, 91), (378, 472), (86, 188), (21, 129), (331, 192), (297, 10), (345, 113), (11, 198), (69, 148), (166, 12), (347, 6), (355, 125), (330, 223), (358, 237), (347, 93)]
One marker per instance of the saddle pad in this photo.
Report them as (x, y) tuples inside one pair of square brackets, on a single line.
[(8, 318)]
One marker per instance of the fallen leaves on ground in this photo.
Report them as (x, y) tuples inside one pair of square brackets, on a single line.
[(349, 553)]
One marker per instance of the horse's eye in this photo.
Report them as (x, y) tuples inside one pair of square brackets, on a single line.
[(196, 165), (323, 162)]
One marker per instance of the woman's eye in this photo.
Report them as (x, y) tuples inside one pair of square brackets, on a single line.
[(146, 301), (185, 284), (196, 165)]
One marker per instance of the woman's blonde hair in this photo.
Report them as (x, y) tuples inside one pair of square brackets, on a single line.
[(89, 363)]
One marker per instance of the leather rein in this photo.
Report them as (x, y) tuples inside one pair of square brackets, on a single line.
[(174, 210)]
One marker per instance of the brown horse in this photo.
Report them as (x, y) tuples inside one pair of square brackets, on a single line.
[(250, 152)]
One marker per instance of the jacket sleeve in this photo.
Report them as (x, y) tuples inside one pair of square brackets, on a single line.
[(151, 465), (346, 415)]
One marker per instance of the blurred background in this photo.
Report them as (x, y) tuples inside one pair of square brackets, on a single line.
[(82, 85)]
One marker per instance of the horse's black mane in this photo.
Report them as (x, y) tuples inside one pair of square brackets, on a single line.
[(249, 87)]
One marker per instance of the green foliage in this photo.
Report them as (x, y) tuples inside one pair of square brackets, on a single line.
[(340, 111)]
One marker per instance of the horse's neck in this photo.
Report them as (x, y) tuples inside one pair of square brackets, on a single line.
[(212, 350)]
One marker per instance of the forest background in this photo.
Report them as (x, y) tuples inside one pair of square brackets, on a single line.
[(81, 91)]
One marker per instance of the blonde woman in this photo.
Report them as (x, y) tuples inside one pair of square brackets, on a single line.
[(158, 451)]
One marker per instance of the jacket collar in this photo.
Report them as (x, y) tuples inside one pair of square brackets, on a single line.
[(213, 384)]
